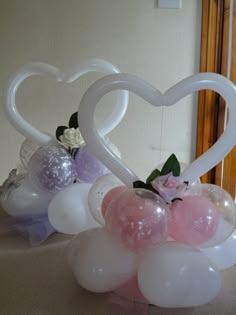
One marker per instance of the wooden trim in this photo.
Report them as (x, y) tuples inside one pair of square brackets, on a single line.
[(223, 70), (211, 38), (228, 180), (211, 108)]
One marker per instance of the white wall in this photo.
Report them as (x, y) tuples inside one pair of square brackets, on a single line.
[(161, 46)]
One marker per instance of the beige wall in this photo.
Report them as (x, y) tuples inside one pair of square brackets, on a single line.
[(161, 46)]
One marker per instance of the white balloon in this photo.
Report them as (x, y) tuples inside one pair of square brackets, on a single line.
[(25, 200), (224, 254), (68, 211), (98, 191), (43, 69), (204, 163), (99, 262), (176, 275)]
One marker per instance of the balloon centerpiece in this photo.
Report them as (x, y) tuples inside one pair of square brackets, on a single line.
[(51, 184), (159, 237), (166, 226), (155, 242), (48, 172)]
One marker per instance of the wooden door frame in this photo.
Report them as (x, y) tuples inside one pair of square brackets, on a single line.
[(210, 61), (211, 107)]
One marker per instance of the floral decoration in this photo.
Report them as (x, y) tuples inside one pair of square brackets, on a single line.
[(70, 136), (167, 182)]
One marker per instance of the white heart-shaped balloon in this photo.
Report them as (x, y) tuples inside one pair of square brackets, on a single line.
[(200, 81), (43, 69)]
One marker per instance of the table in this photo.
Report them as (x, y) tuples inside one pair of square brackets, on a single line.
[(37, 281)]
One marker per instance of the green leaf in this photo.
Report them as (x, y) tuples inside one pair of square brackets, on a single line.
[(60, 130), (175, 199), (154, 174), (171, 165), (73, 122), (140, 184)]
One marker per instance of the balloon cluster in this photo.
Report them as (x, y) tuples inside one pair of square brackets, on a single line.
[(155, 239), (48, 191), (154, 242), (51, 183), (164, 241)]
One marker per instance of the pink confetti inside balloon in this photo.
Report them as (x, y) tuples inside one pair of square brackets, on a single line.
[(139, 218), (193, 220), (111, 195), (225, 207), (51, 168), (88, 168)]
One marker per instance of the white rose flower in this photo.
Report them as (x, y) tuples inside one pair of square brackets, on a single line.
[(71, 138)]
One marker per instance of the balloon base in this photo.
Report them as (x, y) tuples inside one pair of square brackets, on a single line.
[(35, 229)]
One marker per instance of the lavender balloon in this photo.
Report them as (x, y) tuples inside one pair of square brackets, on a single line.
[(88, 168), (51, 168)]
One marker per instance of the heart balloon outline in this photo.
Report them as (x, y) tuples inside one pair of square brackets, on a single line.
[(194, 83), (43, 69)]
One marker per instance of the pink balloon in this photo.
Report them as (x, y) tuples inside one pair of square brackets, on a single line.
[(193, 220), (130, 291), (110, 196), (139, 218)]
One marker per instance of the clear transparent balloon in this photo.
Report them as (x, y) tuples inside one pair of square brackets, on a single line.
[(139, 218), (110, 196), (193, 220), (51, 168), (224, 206), (98, 191), (27, 149)]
